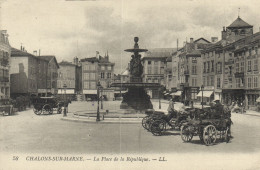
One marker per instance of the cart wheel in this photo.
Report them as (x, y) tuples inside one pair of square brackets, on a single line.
[(227, 135), (36, 111), (149, 122), (46, 109), (186, 134), (209, 135), (144, 124), (157, 127)]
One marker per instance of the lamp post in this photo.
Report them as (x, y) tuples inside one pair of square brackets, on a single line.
[(98, 114), (101, 96), (160, 98), (202, 88), (65, 101)]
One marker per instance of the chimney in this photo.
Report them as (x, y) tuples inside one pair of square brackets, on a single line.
[(39, 52), (97, 54), (21, 48), (191, 40), (107, 57), (214, 39), (35, 52), (224, 34)]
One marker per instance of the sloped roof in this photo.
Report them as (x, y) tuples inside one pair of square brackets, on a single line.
[(239, 23), (15, 52), (90, 59), (159, 52), (49, 58), (202, 39), (66, 63), (125, 73)]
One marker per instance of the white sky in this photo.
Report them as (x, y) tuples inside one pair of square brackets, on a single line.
[(57, 26)]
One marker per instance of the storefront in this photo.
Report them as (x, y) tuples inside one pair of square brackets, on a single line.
[(251, 99), (207, 96), (233, 95)]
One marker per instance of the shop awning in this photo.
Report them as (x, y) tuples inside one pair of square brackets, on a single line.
[(166, 94), (258, 99), (205, 94), (89, 91), (178, 93), (118, 92)]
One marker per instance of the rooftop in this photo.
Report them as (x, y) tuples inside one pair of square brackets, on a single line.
[(159, 52), (239, 23)]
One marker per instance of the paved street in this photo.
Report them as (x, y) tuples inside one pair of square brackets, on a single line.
[(27, 132)]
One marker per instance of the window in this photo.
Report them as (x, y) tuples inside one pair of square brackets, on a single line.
[(92, 85), (218, 82), (155, 80), (149, 62), (204, 67), (242, 67), (249, 82), (102, 75), (86, 85), (212, 66), (208, 78), (237, 82), (102, 67), (204, 80), (162, 70), (86, 76), (194, 69), (256, 50), (255, 64), (212, 80), (149, 70), (250, 52), (149, 80), (249, 65), (237, 67), (108, 75), (108, 67), (86, 67), (155, 70), (255, 82), (208, 69), (93, 67), (92, 76), (194, 82)]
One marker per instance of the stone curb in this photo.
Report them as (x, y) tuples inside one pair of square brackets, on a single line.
[(106, 121)]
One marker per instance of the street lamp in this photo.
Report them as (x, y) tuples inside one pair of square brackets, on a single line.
[(65, 101), (202, 88), (160, 98), (98, 114)]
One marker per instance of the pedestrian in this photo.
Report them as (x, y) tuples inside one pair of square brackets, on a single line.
[(171, 107)]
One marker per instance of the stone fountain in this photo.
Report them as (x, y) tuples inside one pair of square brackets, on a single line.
[(136, 98)]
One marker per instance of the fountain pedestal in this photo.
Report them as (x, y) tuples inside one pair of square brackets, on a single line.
[(136, 97)]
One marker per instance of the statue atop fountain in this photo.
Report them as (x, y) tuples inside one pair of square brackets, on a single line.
[(136, 97)]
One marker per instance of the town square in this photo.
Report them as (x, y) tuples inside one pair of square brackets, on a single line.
[(109, 84)]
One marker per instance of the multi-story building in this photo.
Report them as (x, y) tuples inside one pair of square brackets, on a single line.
[(94, 70), (5, 52), (236, 58), (24, 73), (52, 73), (155, 67), (67, 76), (190, 68)]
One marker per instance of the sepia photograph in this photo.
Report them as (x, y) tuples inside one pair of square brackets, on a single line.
[(128, 84)]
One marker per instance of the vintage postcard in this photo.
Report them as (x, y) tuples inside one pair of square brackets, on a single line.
[(128, 84)]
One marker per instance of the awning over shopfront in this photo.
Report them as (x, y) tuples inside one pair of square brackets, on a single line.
[(178, 93), (205, 94), (258, 99), (89, 91), (166, 94), (118, 92), (68, 91)]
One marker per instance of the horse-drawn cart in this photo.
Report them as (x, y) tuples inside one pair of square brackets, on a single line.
[(46, 105)]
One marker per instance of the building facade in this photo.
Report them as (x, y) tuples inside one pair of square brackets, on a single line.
[(97, 70), (52, 73), (24, 73), (155, 68), (5, 52), (190, 68)]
